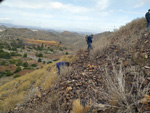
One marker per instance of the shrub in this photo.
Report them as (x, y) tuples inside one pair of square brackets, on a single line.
[(16, 76), (18, 62), (66, 53), (61, 49), (34, 65), (77, 107), (25, 64), (17, 69), (55, 59), (124, 97), (39, 55), (3, 63), (25, 55), (12, 61), (49, 62), (39, 60), (43, 62), (8, 73), (28, 68), (5, 55)]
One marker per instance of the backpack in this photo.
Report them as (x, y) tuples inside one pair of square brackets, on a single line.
[(86, 37)]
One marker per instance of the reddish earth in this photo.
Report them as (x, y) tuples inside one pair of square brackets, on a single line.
[(33, 41), (23, 72), (11, 67)]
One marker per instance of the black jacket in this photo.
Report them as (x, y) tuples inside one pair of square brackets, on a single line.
[(147, 16)]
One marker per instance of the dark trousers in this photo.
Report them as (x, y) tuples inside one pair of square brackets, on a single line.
[(58, 68), (89, 46), (148, 24)]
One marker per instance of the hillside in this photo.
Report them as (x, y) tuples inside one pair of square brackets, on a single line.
[(66, 38), (111, 78)]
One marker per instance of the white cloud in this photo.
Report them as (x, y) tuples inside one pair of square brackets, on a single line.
[(141, 3), (46, 5), (102, 4), (5, 19), (138, 5)]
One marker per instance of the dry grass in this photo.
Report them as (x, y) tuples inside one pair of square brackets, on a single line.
[(24, 88), (33, 41), (79, 108), (125, 96), (99, 46), (127, 35)]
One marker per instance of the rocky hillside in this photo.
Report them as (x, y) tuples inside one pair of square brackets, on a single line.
[(112, 78), (67, 38)]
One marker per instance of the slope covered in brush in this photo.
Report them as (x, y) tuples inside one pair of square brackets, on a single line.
[(111, 78)]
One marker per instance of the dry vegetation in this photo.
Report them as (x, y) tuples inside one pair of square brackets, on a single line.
[(79, 108), (33, 41), (125, 89), (99, 46), (24, 88)]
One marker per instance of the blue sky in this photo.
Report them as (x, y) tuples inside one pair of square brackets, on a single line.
[(73, 15)]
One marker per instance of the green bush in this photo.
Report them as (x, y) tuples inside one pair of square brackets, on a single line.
[(27, 68), (49, 62), (55, 59), (18, 62), (66, 53), (12, 61), (34, 65), (39, 55), (14, 54), (25, 64), (61, 49), (39, 60), (25, 55), (8, 73), (17, 69), (5, 55), (16, 76), (3, 63)]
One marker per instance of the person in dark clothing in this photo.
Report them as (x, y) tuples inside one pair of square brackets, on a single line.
[(60, 65), (89, 42), (147, 16)]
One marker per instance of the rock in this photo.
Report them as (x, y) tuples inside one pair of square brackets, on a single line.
[(146, 67), (78, 84), (39, 94), (148, 78), (145, 100), (69, 88), (100, 107)]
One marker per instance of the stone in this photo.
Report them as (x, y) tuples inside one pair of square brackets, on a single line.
[(69, 88), (39, 94), (148, 78), (146, 67), (145, 100)]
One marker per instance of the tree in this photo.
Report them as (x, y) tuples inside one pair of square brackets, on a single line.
[(25, 55), (3, 63), (8, 73), (17, 69), (40, 55), (34, 65), (25, 64), (19, 62), (39, 60)]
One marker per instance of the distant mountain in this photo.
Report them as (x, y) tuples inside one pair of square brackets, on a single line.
[(66, 38), (72, 39), (3, 27)]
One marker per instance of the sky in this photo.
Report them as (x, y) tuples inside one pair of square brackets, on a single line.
[(73, 15)]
